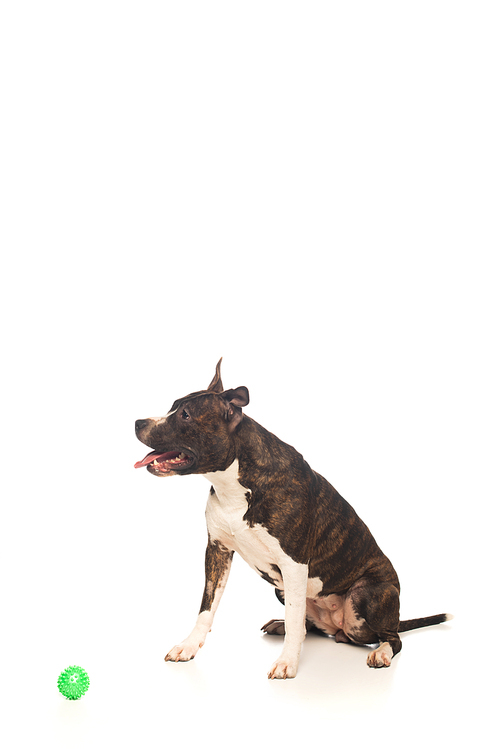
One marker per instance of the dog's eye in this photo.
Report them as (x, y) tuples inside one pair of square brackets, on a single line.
[(185, 415)]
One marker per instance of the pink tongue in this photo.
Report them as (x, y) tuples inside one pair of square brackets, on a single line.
[(155, 456)]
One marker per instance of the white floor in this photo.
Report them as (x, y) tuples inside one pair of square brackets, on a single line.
[(437, 691)]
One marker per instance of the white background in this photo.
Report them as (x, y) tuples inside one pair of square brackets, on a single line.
[(311, 191)]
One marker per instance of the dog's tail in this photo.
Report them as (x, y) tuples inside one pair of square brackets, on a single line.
[(426, 621)]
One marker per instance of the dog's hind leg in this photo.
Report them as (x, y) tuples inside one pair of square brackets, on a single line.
[(373, 616), (217, 565), (277, 627), (274, 627)]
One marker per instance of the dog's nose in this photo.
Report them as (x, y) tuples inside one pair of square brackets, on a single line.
[(140, 424)]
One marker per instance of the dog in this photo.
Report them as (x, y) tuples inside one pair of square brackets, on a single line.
[(286, 521)]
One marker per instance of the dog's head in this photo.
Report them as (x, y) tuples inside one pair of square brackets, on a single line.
[(196, 435)]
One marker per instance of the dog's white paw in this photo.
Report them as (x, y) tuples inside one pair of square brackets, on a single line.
[(283, 669), (186, 651), (381, 657)]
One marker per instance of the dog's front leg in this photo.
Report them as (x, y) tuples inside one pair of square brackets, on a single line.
[(295, 582), (217, 565)]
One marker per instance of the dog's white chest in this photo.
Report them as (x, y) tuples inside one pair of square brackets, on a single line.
[(225, 511)]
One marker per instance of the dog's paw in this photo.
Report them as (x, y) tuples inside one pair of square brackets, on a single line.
[(274, 627), (282, 669), (186, 651), (381, 657)]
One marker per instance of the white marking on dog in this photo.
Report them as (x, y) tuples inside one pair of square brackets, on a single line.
[(295, 579), (162, 419), (314, 587), (188, 648), (225, 511), (381, 657)]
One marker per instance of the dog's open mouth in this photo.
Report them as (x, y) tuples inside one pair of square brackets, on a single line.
[(163, 464)]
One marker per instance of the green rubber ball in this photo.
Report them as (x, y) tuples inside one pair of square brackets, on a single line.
[(73, 682)]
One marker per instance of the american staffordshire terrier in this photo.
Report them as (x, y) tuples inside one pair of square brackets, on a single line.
[(286, 521)]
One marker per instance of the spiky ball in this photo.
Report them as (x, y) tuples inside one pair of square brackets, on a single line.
[(73, 682)]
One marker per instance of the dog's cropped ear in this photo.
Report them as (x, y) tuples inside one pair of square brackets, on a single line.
[(216, 384), (236, 400)]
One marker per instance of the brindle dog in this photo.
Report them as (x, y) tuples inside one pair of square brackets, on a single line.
[(286, 521)]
